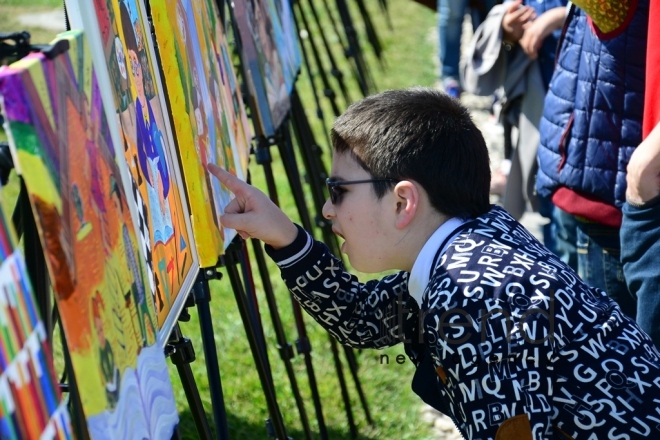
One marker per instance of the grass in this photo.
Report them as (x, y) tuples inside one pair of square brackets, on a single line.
[(409, 52)]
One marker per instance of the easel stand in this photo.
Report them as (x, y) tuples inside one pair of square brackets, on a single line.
[(314, 169), (200, 296), (316, 175), (230, 260), (284, 347), (181, 352)]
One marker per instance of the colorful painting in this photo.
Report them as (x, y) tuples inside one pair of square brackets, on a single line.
[(30, 402), (208, 114), (266, 80), (61, 146), (286, 39), (125, 60)]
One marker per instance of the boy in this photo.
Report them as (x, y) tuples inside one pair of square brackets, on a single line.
[(507, 340)]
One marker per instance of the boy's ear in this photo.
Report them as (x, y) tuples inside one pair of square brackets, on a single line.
[(407, 199)]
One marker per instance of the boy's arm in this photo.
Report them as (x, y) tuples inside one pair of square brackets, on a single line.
[(252, 214), (537, 30), (370, 315), (362, 315), (643, 172)]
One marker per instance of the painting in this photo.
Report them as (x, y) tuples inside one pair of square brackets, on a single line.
[(208, 115), (61, 146), (286, 39), (31, 405), (262, 65), (126, 62)]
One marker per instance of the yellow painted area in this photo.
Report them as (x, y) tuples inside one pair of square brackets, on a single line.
[(607, 15), (38, 180), (175, 62), (88, 378)]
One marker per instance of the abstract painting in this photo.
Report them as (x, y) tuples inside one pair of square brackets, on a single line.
[(61, 146)]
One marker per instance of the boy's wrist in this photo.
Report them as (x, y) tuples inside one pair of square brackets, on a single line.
[(299, 242), (287, 237)]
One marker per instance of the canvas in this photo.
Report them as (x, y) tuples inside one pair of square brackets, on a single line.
[(31, 405), (203, 114), (262, 64), (125, 61), (60, 142), (286, 39)]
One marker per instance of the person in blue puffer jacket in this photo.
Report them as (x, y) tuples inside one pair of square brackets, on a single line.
[(590, 127)]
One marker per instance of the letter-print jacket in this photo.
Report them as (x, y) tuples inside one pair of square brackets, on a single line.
[(509, 342)]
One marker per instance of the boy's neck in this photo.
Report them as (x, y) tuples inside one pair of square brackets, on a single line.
[(416, 236)]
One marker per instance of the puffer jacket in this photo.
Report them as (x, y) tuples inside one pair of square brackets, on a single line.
[(592, 117)]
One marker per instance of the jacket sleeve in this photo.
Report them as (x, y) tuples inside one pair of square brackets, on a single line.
[(362, 315)]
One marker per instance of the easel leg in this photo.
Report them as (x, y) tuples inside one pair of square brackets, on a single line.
[(182, 353), (315, 169), (202, 296), (303, 345), (285, 349), (230, 260)]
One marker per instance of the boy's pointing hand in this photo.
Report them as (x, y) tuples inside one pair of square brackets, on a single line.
[(252, 214)]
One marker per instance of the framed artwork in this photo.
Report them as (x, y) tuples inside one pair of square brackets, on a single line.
[(262, 65), (31, 405), (61, 146), (125, 60), (210, 127)]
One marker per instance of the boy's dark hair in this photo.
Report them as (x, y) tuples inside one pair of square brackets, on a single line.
[(130, 40), (423, 135)]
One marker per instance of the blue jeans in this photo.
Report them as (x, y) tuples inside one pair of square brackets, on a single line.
[(599, 263), (450, 27), (546, 209), (640, 253), (565, 228)]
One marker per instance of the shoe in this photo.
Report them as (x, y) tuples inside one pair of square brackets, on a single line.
[(452, 88)]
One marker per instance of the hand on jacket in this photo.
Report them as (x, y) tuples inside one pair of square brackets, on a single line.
[(252, 214), (535, 32), (643, 176), (514, 20)]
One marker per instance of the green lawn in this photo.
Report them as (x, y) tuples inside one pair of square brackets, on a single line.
[(409, 51)]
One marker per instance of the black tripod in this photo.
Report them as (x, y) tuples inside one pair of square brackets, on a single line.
[(233, 257)]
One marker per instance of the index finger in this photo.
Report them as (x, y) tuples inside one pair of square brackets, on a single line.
[(233, 183)]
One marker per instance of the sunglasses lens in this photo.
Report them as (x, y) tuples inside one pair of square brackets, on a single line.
[(334, 196)]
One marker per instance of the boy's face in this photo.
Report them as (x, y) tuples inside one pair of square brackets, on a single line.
[(365, 222)]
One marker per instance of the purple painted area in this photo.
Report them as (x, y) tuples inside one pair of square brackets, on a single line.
[(11, 88)]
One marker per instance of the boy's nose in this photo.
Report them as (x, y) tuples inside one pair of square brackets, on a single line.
[(328, 210)]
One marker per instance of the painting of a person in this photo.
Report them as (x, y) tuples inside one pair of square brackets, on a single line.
[(151, 155)]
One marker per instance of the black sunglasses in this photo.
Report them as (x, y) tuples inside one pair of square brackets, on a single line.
[(335, 187)]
